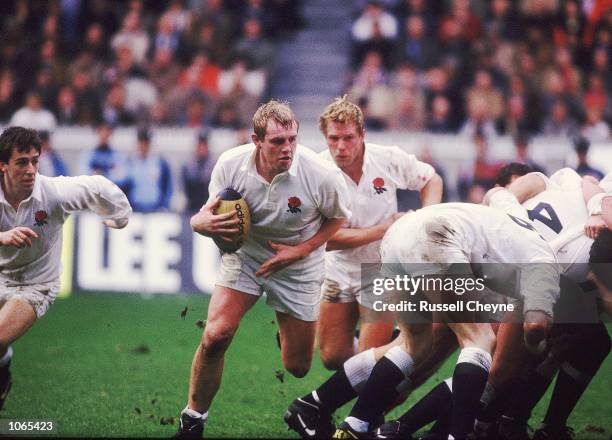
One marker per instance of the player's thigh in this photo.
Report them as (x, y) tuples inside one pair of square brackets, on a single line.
[(16, 317), (336, 326), (376, 328), (225, 311), (297, 340)]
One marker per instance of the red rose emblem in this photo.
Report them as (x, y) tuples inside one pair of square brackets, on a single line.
[(378, 182), (379, 185), (40, 217), (294, 204)]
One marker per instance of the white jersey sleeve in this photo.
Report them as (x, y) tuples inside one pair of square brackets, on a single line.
[(409, 172), (334, 198), (505, 201), (606, 183), (566, 179), (93, 193)]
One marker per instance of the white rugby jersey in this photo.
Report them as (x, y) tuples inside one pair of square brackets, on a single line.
[(373, 200), (481, 233), (52, 200), (288, 210), (558, 214)]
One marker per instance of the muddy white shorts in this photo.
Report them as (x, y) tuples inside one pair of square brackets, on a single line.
[(287, 291), (39, 296)]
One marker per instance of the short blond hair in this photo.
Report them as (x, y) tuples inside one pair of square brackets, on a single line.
[(342, 111), (278, 111)]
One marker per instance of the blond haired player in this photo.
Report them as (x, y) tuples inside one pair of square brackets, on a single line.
[(372, 173), (297, 202), (33, 209)]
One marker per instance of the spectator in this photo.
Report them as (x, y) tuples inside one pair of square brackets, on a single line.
[(50, 163), (132, 36), (559, 123), (196, 175), (8, 95), (521, 144), (375, 29), (582, 145), (202, 74), (226, 116), (479, 120), (243, 86), (167, 37), (87, 98), (103, 159), (484, 90), (163, 72), (114, 111), (65, 109), (417, 49), (254, 47), (149, 181), (439, 121), (482, 170), (595, 129), (32, 115), (95, 42)]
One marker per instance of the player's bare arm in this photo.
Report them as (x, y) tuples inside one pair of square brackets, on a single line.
[(17, 237), (348, 238), (527, 186), (209, 224), (431, 193), (593, 198), (286, 255)]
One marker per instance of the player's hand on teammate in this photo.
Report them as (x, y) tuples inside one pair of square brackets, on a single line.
[(392, 218), (207, 223), (594, 225), (285, 255), (18, 237)]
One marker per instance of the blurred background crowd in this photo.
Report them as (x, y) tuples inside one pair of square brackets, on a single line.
[(478, 69)]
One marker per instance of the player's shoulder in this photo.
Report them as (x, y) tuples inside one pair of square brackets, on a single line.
[(236, 154), (565, 178), (387, 153)]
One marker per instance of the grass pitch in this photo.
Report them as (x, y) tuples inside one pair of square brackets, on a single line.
[(118, 366)]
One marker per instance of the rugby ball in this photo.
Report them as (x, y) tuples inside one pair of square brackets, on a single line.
[(232, 200)]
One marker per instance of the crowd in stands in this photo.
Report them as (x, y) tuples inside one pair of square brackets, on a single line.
[(522, 68), (476, 68), (182, 62)]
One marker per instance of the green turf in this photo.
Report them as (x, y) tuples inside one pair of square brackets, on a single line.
[(115, 365)]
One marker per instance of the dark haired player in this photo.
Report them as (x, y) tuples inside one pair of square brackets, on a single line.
[(33, 209)]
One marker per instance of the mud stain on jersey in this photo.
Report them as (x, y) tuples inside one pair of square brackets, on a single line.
[(440, 234)]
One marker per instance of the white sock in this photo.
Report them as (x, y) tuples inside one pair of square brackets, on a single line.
[(4, 360), (195, 415), (401, 359), (357, 425), (359, 367), (476, 356)]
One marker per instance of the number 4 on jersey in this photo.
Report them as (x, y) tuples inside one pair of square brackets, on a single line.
[(552, 220)]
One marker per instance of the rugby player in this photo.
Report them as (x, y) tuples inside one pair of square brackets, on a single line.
[(297, 202), (372, 173), (560, 207), (33, 209)]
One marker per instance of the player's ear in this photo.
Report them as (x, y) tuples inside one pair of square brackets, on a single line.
[(255, 139), (3, 167)]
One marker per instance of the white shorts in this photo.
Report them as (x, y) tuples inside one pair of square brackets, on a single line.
[(285, 291), (352, 289), (39, 296)]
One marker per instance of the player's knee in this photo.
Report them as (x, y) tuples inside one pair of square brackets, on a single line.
[(298, 371), (535, 334), (297, 366), (216, 340), (332, 361)]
